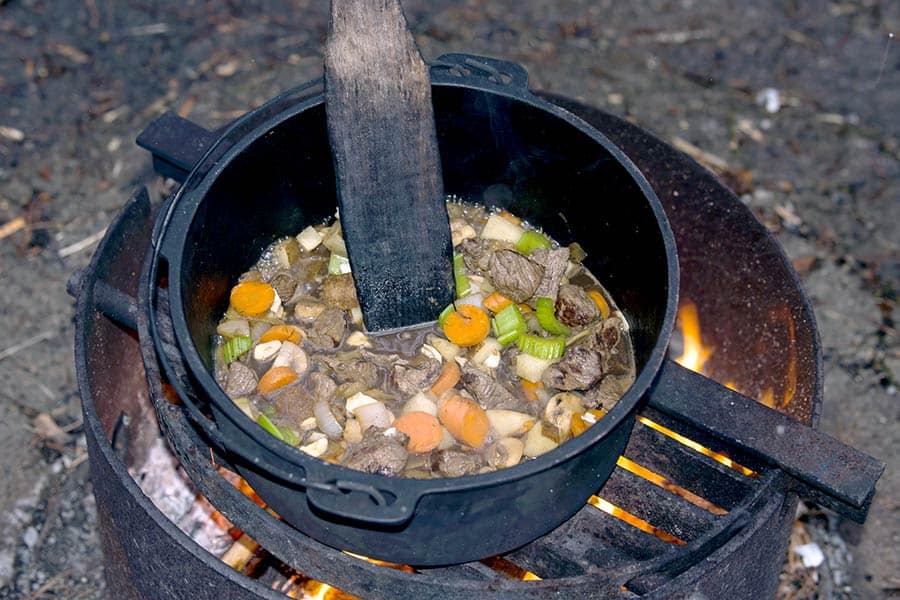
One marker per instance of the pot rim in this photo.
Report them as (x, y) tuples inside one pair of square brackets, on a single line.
[(171, 234)]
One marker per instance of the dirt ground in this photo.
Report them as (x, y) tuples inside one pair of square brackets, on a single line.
[(795, 105)]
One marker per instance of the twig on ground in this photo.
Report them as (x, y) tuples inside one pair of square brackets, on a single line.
[(37, 339), (48, 585), (12, 226), (82, 244)]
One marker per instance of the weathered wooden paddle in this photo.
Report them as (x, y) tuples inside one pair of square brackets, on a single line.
[(383, 141)]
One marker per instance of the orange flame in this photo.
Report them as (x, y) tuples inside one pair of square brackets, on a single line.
[(694, 356), (695, 353)]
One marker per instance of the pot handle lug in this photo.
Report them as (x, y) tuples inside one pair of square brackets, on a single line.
[(470, 69), (177, 145), (361, 502), (824, 470)]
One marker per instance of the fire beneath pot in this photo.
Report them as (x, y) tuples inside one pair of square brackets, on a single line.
[(680, 517)]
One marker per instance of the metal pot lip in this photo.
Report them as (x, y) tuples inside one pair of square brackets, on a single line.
[(189, 197)]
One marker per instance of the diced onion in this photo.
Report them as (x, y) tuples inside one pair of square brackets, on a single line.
[(310, 238), (326, 421), (498, 228), (233, 328), (375, 414), (473, 299)]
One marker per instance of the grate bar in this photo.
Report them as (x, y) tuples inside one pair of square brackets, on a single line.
[(591, 539), (657, 506), (695, 472)]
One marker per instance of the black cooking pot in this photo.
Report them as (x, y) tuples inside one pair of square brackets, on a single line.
[(271, 174)]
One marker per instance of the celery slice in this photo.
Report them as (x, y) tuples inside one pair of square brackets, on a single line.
[(269, 426), (508, 324), (338, 265), (463, 286), (542, 347), (531, 241), (445, 313), (235, 347), (546, 309)]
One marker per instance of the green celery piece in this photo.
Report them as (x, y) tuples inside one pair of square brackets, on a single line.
[(531, 241), (546, 348), (508, 324), (269, 426), (463, 286), (337, 265), (546, 316), (235, 347)]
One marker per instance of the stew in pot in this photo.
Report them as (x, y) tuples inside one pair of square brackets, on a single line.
[(532, 352)]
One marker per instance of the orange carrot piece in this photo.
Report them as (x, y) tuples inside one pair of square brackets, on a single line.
[(282, 333), (465, 420), (496, 302), (467, 326), (524, 308), (580, 425), (447, 379), (601, 303), (274, 379), (252, 298), (424, 431), (530, 388)]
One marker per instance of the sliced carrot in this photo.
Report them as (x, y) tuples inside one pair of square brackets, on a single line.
[(274, 379), (252, 298), (282, 333), (524, 308), (467, 326), (424, 431), (447, 379), (465, 420), (580, 424), (496, 302), (601, 303), (530, 388)]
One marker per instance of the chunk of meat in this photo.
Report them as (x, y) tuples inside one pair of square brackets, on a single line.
[(555, 263), (352, 370), (606, 393), (578, 369), (613, 347), (321, 386), (477, 253), (339, 291), (284, 283), (574, 307), (294, 405), (456, 463), (241, 380), (486, 390), (514, 275), (382, 359), (328, 330), (411, 377), (378, 453)]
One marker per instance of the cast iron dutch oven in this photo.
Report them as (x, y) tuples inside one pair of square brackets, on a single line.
[(271, 174)]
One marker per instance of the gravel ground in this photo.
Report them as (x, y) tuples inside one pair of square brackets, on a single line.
[(793, 104)]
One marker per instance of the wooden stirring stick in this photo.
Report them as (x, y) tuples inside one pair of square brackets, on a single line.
[(383, 141)]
